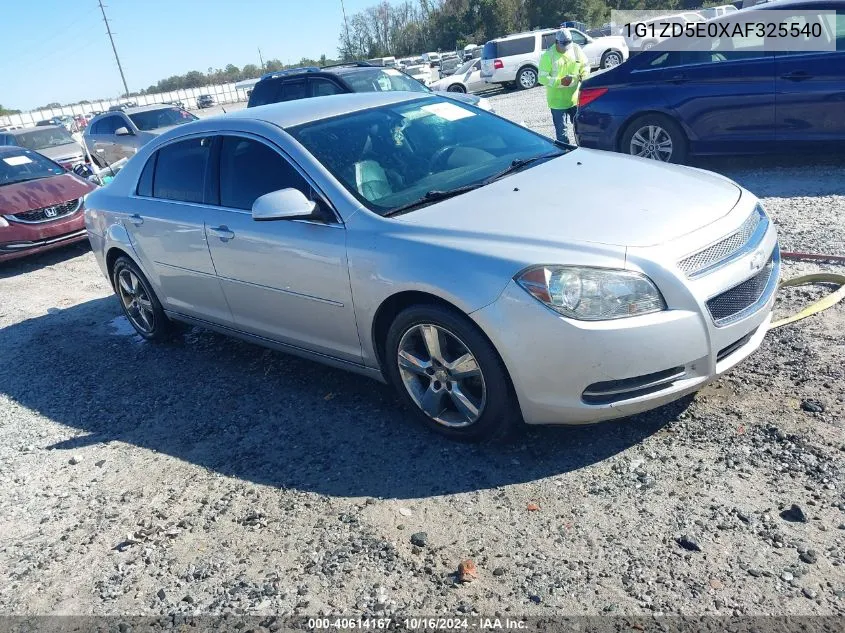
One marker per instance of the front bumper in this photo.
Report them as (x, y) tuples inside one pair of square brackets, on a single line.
[(20, 240), (579, 372)]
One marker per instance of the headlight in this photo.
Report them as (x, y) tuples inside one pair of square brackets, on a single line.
[(3, 223), (592, 294)]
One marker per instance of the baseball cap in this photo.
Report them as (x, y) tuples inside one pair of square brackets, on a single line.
[(563, 37)]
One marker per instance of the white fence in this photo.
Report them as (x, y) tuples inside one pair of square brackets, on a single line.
[(224, 93)]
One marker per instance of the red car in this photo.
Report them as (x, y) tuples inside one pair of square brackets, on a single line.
[(40, 204)]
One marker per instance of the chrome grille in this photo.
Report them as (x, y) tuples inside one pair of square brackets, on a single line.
[(745, 298), (723, 250), (47, 214)]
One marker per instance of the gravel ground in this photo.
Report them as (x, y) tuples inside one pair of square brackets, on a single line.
[(212, 476)]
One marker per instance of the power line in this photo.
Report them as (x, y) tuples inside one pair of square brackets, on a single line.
[(111, 39), (346, 26)]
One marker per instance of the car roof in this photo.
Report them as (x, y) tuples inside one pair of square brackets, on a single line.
[(22, 130), (292, 113), (11, 149), (523, 34)]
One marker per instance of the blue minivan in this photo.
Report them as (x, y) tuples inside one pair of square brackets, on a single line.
[(741, 99)]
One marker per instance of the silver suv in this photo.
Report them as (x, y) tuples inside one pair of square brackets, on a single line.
[(115, 135)]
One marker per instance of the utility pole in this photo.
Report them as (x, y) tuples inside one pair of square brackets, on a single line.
[(111, 39), (346, 27), (261, 59)]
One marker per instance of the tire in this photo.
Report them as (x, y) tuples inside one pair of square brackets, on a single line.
[(489, 392), (654, 129), (611, 59), (456, 88), (526, 78), (138, 301)]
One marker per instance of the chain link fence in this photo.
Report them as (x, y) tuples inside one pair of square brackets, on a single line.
[(223, 93)]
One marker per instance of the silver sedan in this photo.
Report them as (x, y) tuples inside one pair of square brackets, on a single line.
[(490, 274)]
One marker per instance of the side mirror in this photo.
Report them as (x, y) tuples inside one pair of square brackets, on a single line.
[(123, 131), (285, 204)]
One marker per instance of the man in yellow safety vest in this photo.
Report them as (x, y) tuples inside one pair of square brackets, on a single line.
[(562, 69)]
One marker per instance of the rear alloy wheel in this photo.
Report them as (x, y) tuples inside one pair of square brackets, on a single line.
[(611, 59), (140, 305), (527, 78), (655, 137), (456, 88), (449, 374)]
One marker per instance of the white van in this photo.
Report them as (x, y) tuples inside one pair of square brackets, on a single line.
[(514, 59)]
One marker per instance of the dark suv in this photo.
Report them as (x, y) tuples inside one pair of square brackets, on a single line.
[(310, 81)]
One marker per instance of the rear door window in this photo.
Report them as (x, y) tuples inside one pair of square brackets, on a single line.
[(145, 182), (292, 90), (548, 40), (180, 170), (517, 46), (265, 92), (321, 87)]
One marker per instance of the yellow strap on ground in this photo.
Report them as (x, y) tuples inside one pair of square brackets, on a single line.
[(822, 304)]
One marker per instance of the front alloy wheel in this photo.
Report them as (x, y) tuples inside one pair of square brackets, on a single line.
[(136, 302), (441, 375), (449, 374)]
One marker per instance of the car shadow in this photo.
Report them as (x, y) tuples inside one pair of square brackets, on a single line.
[(266, 417), (30, 263), (782, 175)]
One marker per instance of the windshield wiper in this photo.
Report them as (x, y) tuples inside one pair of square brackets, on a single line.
[(520, 163), (435, 195)]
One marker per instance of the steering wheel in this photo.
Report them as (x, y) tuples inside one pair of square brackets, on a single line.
[(440, 156)]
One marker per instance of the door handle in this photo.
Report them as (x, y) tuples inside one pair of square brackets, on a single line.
[(136, 219), (222, 232), (798, 75), (678, 79)]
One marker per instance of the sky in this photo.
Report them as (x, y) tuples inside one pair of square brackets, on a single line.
[(58, 50)]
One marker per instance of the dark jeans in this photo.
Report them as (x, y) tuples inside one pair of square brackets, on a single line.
[(564, 121)]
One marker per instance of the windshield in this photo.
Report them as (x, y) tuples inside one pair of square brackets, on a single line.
[(396, 155), (464, 67), (44, 138), (22, 165), (382, 80), (161, 117)]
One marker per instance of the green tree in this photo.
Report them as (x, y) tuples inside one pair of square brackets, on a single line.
[(250, 71), (7, 111)]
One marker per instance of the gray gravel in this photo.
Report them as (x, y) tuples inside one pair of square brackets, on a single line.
[(212, 476)]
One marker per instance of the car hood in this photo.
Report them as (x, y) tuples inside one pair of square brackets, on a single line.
[(45, 192), (588, 196), (62, 152), (456, 96)]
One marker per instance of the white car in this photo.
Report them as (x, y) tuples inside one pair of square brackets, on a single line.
[(514, 59), (467, 78)]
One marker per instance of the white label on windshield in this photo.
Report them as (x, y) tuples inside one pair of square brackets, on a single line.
[(448, 111), (15, 161), (392, 72)]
